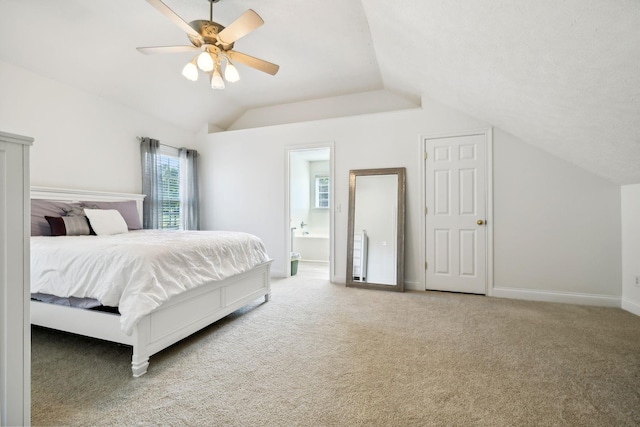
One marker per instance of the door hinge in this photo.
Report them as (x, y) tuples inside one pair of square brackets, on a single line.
[(425, 155), (425, 265), (426, 210)]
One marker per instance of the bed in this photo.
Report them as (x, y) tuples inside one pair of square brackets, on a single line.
[(187, 305)]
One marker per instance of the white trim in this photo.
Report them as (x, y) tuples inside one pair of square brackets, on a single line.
[(413, 286), (631, 306), (16, 139), (560, 297), (15, 328), (488, 133), (72, 194), (287, 201), (489, 207)]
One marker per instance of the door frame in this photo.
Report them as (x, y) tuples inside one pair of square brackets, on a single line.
[(288, 149), (488, 135)]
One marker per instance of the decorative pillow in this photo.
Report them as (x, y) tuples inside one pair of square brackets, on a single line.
[(41, 208), (106, 221), (68, 225), (127, 208), (73, 211)]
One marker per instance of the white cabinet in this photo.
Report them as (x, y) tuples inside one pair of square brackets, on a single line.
[(15, 327)]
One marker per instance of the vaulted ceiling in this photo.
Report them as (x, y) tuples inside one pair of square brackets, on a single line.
[(561, 75)]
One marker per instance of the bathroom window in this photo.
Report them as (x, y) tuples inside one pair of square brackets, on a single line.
[(322, 192)]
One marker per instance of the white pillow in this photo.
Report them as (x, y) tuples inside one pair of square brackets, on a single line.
[(106, 221)]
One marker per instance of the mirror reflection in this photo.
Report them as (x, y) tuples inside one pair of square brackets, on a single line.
[(376, 229)]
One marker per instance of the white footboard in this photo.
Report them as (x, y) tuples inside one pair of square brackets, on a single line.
[(176, 319)]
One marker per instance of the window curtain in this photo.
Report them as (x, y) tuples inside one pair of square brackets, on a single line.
[(189, 200), (152, 206)]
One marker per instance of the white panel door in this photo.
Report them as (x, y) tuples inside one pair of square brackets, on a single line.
[(455, 185)]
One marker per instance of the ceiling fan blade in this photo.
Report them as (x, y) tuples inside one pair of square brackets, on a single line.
[(250, 61), (166, 49), (164, 9), (242, 26)]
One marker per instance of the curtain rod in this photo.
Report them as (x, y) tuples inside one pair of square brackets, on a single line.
[(139, 138)]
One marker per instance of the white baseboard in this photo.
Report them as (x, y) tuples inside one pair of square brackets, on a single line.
[(563, 297), (409, 286), (413, 286), (631, 306), (341, 280)]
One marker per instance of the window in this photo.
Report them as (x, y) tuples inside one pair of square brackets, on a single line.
[(170, 183), (169, 188), (322, 192)]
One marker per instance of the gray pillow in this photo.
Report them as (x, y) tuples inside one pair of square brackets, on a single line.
[(42, 208)]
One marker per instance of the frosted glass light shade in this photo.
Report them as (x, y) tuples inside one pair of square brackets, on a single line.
[(205, 62), (216, 80), (231, 73), (190, 71)]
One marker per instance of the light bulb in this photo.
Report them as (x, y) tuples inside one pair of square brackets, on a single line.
[(190, 71), (205, 62), (231, 73), (216, 80)]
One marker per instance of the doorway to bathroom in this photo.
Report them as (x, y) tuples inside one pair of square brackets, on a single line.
[(310, 213)]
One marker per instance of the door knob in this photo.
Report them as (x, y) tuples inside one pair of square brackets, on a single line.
[(480, 222)]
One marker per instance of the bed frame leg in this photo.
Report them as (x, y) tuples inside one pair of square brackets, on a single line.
[(267, 296), (139, 367)]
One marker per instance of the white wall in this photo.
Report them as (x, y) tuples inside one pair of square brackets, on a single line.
[(556, 226), (243, 173), (631, 248), (376, 101), (81, 140)]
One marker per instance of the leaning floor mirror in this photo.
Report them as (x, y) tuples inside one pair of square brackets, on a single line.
[(375, 241)]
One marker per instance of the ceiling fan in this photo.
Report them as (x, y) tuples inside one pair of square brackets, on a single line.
[(215, 43)]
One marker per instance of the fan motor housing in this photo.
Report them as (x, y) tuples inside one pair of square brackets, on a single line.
[(209, 31)]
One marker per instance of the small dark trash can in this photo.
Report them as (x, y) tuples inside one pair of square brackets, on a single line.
[(294, 263)]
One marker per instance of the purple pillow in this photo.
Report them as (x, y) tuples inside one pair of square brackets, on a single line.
[(42, 208)]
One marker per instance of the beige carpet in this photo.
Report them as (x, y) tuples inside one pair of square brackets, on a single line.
[(320, 354)]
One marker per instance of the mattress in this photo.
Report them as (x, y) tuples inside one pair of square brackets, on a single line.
[(139, 270)]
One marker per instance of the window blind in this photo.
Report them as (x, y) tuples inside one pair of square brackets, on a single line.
[(169, 189)]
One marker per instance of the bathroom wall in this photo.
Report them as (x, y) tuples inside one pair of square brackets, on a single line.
[(318, 219), (300, 194)]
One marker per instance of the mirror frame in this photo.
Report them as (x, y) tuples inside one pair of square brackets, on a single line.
[(353, 174)]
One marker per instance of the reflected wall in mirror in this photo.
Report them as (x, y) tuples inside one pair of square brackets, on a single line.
[(375, 240)]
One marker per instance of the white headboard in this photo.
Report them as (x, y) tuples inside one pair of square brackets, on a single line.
[(73, 195)]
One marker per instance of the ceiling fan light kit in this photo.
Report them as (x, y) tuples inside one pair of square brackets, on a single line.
[(205, 61), (216, 79), (190, 71), (216, 45), (231, 72)]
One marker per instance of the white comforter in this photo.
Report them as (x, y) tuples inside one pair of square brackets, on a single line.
[(139, 270)]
